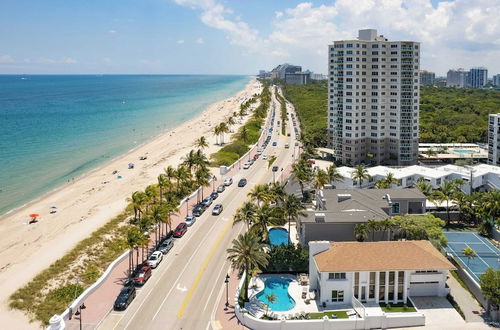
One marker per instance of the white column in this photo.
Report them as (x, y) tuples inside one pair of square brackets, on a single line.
[(405, 287), (396, 274), (386, 296), (377, 283)]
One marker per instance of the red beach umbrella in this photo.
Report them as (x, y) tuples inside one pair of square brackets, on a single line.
[(34, 215)]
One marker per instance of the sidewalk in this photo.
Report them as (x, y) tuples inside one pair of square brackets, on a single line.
[(227, 319), (472, 310)]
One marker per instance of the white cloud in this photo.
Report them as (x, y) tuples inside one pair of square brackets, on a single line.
[(200, 41), (68, 60), (6, 59), (112, 31), (180, 42), (456, 33)]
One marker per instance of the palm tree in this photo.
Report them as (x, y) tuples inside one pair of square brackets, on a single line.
[(170, 172), (265, 217), (157, 216), (424, 186), (333, 174), (361, 232), (201, 143), (137, 201), (373, 226), (246, 214), (200, 159), (382, 184), (390, 179), (182, 175), (469, 253), (244, 134), (202, 175), (247, 254), (387, 225), (446, 193), (164, 183), (491, 204), (134, 238), (224, 128), (277, 192), (169, 209), (271, 299), (301, 174), (360, 173), (260, 193), (230, 122), (292, 210), (190, 160), (320, 179), (217, 132)]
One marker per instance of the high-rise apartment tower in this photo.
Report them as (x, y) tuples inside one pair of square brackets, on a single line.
[(494, 139), (373, 100)]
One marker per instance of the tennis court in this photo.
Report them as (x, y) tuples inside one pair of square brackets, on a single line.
[(487, 255)]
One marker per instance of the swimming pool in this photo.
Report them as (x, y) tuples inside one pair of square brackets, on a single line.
[(278, 236), (278, 286), (463, 151)]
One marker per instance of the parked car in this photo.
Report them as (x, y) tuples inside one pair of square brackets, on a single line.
[(296, 143), (275, 168), (265, 156), (190, 220), (221, 188), (143, 275), (155, 259), (246, 166), (180, 230), (125, 297), (242, 182), (198, 210), (251, 161), (275, 144), (217, 209), (287, 146), (255, 157), (166, 246), (214, 195), (228, 181), (206, 201)]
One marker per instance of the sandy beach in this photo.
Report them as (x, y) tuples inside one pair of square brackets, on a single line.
[(88, 202)]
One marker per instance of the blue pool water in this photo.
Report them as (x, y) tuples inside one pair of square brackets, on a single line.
[(278, 236), (278, 286), (463, 152)]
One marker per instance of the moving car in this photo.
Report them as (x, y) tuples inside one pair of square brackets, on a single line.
[(198, 210), (275, 168), (242, 182), (155, 259), (190, 220), (214, 195), (221, 188), (275, 144), (125, 297), (217, 209), (166, 246), (206, 202), (180, 230), (265, 156), (287, 146), (228, 181), (143, 275), (246, 166)]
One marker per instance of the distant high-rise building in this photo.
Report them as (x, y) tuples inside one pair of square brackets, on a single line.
[(496, 80), (457, 78), (494, 139), (427, 77), (298, 78), (283, 69), (478, 77), (373, 100)]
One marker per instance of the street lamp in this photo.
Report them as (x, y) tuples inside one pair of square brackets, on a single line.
[(79, 313), (214, 178), (187, 206), (227, 291)]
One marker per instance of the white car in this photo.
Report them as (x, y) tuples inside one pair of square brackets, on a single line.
[(265, 156), (246, 166), (228, 181), (155, 259)]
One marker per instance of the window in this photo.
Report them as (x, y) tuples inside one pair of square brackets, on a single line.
[(395, 208), (371, 291), (356, 285), (337, 295), (391, 285), (336, 276), (401, 278), (381, 287)]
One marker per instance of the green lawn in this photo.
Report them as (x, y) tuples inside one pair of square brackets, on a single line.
[(340, 315), (398, 308)]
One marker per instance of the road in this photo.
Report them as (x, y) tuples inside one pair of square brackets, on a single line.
[(184, 290)]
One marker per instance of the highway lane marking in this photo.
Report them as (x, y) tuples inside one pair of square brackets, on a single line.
[(213, 288), (181, 288)]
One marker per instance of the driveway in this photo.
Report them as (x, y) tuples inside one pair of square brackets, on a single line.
[(440, 315)]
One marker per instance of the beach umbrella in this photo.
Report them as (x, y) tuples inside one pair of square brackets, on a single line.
[(34, 215), (53, 207)]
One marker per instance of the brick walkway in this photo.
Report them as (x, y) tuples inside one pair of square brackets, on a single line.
[(227, 319), (470, 307)]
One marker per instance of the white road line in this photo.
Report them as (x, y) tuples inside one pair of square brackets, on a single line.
[(214, 286), (485, 243)]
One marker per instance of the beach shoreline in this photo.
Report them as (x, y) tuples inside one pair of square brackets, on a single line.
[(93, 198)]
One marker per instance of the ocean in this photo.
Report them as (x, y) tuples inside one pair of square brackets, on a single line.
[(56, 127)]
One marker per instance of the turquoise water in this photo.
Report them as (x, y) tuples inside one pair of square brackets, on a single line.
[(463, 152), (278, 286), (278, 236), (54, 128)]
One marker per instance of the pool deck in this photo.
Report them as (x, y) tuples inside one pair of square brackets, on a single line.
[(258, 309)]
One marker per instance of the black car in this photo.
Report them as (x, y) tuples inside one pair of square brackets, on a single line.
[(206, 202), (214, 195), (125, 297), (198, 210), (242, 183)]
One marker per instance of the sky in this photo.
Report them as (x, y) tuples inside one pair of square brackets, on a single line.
[(234, 36)]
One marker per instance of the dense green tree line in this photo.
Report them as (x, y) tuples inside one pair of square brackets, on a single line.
[(446, 114)]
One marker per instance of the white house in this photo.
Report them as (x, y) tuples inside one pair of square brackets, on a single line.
[(389, 271)]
